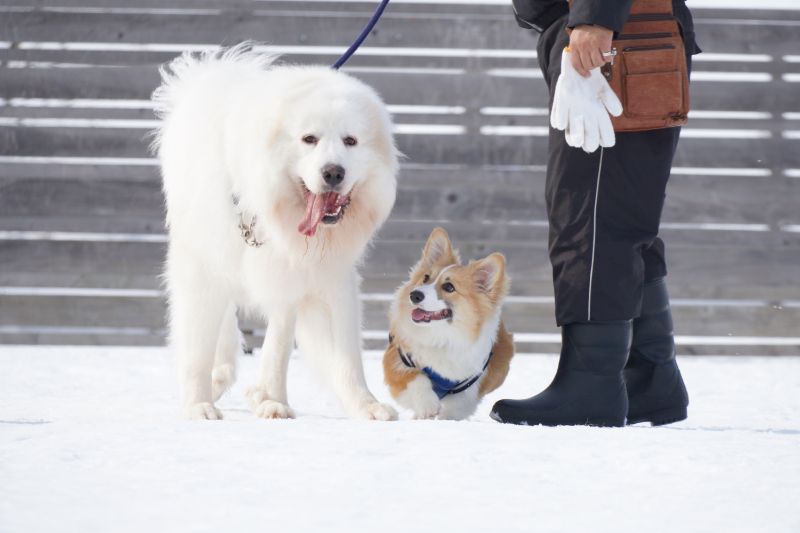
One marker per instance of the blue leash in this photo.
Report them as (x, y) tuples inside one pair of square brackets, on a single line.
[(363, 35)]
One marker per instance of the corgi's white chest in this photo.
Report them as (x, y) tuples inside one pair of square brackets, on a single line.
[(454, 363)]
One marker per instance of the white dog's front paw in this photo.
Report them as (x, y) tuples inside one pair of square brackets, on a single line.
[(376, 411), (273, 409), (202, 411), (264, 407), (222, 377)]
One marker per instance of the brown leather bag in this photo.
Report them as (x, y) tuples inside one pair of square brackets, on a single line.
[(649, 73)]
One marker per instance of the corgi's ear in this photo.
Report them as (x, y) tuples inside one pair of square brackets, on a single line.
[(489, 274), (439, 249), (437, 246)]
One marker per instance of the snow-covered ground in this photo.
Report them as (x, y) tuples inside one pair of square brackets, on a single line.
[(90, 440)]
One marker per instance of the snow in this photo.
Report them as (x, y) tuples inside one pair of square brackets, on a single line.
[(90, 440)]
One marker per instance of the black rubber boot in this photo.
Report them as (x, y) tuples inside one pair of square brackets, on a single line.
[(656, 392), (588, 388)]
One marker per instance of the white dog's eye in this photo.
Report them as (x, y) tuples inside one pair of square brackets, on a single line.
[(426, 279), (310, 139), (350, 141), (448, 287)]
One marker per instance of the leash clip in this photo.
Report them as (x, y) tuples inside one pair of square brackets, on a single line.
[(607, 69), (612, 54)]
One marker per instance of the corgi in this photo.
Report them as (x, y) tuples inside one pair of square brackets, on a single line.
[(448, 346)]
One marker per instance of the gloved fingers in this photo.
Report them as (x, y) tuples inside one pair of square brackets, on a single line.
[(603, 91), (591, 136), (606, 129), (567, 68), (562, 115), (565, 61), (611, 100), (568, 136), (574, 134), (558, 116), (571, 139)]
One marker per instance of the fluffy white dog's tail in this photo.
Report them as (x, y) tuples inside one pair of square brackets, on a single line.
[(192, 71)]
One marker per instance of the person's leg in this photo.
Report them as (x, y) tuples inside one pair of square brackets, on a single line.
[(599, 224), (656, 392), (604, 209), (588, 388)]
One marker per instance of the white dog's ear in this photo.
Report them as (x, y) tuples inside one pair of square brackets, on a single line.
[(489, 275)]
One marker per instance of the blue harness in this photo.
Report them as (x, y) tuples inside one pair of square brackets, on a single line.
[(441, 385)]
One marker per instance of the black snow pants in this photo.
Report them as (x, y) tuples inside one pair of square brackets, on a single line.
[(604, 208)]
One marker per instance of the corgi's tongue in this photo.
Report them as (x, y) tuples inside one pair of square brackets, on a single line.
[(317, 206), (420, 315)]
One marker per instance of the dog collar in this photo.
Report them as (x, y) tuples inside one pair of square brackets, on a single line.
[(440, 384), (246, 229)]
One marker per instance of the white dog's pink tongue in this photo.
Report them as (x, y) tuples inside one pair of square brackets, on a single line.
[(316, 207)]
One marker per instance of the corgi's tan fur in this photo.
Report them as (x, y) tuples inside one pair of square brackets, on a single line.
[(448, 317)]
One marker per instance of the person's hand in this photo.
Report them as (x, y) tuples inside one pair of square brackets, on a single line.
[(581, 107), (588, 44)]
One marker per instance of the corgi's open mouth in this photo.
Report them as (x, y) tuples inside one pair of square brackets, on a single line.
[(420, 315), (327, 208)]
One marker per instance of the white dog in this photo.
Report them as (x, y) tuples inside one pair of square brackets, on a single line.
[(276, 178)]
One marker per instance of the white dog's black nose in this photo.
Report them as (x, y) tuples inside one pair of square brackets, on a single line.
[(417, 296), (333, 174)]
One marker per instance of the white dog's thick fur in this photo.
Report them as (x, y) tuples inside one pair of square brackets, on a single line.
[(244, 141)]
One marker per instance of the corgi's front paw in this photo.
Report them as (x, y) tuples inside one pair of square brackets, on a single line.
[(427, 407), (419, 396)]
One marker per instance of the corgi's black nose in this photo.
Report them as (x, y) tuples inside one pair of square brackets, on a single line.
[(333, 174), (417, 296)]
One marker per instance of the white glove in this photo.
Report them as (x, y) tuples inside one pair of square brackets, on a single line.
[(581, 107)]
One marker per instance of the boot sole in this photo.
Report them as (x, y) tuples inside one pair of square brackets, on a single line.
[(661, 417), (596, 422)]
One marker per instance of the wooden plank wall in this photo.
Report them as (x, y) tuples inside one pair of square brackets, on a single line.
[(81, 214)]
